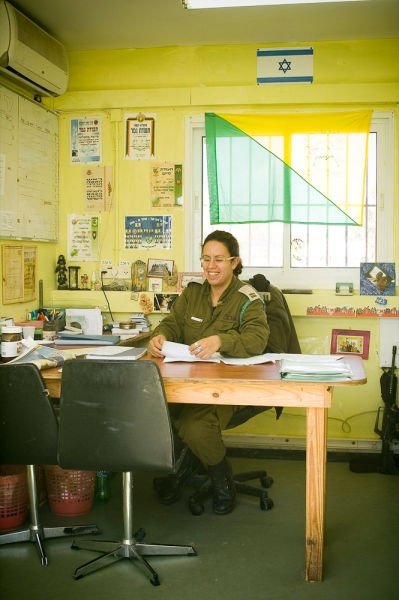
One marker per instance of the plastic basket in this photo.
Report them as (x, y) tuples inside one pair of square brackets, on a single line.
[(13, 497), (69, 492)]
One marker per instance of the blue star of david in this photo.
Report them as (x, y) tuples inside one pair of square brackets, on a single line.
[(285, 66)]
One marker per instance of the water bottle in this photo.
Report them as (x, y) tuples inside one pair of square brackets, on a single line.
[(102, 486)]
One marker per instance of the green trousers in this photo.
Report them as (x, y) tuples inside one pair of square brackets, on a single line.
[(200, 426)]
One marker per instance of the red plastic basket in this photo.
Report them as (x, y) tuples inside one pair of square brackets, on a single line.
[(69, 492), (13, 497)]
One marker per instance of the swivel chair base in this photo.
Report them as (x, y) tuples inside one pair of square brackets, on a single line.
[(131, 547), (35, 532), (203, 489)]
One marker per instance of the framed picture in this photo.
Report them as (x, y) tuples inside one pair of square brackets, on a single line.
[(377, 279), (159, 267), (155, 284), (163, 302), (186, 278), (350, 341)]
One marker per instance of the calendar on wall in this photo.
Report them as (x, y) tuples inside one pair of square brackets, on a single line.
[(28, 169)]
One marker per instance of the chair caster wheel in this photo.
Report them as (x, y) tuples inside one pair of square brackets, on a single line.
[(266, 481), (266, 503), (196, 508)]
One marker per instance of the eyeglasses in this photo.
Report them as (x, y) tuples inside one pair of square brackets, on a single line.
[(219, 260)]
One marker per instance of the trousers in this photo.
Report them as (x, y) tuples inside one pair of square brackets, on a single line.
[(200, 427)]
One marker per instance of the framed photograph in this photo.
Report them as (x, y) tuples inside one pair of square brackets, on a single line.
[(186, 278), (163, 302), (155, 284), (377, 279), (350, 341), (159, 267)]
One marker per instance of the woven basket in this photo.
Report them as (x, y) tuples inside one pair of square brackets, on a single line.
[(69, 492), (13, 497)]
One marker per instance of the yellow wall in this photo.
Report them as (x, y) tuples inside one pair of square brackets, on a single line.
[(176, 83)]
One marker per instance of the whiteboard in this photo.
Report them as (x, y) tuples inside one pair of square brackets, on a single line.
[(28, 169)]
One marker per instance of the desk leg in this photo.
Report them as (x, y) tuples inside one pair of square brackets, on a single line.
[(316, 446)]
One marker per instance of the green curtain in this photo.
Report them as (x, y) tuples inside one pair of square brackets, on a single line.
[(250, 184)]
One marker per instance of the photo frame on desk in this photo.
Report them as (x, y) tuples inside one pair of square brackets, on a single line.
[(350, 341)]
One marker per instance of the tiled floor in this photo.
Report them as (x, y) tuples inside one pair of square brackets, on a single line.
[(247, 555)]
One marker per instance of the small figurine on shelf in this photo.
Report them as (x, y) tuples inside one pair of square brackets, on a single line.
[(84, 281), (61, 269)]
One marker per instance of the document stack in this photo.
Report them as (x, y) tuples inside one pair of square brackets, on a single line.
[(141, 321), (139, 324), (316, 368)]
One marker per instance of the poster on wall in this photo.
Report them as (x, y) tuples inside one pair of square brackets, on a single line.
[(83, 237), (377, 279), (166, 184), (140, 136), (148, 232), (98, 188), (86, 136)]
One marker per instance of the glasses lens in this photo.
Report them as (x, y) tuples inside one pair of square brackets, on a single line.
[(205, 260)]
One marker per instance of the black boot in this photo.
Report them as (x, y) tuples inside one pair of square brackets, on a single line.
[(170, 488), (224, 492)]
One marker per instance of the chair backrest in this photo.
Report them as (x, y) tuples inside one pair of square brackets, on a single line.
[(283, 337), (28, 424), (114, 416)]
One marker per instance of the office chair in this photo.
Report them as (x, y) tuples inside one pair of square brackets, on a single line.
[(29, 436), (282, 339), (114, 416)]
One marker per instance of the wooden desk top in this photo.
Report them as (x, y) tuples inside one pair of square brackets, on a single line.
[(208, 371), (205, 383)]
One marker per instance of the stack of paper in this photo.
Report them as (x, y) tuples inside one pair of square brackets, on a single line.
[(315, 368), (116, 353)]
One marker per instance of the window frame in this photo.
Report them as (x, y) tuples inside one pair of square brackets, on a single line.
[(296, 277)]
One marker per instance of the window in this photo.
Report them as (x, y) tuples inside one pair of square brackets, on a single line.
[(301, 256)]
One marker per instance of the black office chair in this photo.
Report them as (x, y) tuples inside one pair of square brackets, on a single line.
[(29, 436), (282, 339), (114, 416)]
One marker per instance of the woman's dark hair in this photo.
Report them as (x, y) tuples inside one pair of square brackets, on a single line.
[(228, 240)]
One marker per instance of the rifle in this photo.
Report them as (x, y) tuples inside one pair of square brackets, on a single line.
[(389, 429)]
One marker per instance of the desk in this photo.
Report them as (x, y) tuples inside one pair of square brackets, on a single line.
[(261, 385)]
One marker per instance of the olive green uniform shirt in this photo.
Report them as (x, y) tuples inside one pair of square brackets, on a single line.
[(239, 319)]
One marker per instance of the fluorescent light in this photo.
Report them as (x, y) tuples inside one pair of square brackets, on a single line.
[(241, 3)]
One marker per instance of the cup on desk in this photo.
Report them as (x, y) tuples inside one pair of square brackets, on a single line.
[(28, 331)]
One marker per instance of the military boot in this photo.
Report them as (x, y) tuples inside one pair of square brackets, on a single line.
[(224, 492), (170, 488)]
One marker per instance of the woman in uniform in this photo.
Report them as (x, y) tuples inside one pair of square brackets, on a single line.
[(222, 314)]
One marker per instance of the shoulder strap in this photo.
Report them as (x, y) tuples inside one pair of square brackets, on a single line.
[(251, 294)]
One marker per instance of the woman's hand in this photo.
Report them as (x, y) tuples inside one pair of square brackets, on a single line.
[(155, 345), (205, 347)]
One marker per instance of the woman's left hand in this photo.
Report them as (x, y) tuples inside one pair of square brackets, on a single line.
[(205, 347)]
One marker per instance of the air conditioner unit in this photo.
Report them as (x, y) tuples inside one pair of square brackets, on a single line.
[(30, 56)]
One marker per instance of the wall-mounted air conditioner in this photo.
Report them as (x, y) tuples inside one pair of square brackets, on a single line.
[(30, 56)]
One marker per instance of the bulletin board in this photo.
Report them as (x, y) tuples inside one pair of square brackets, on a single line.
[(28, 169)]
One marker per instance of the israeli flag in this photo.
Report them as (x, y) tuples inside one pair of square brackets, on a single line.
[(287, 65)]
